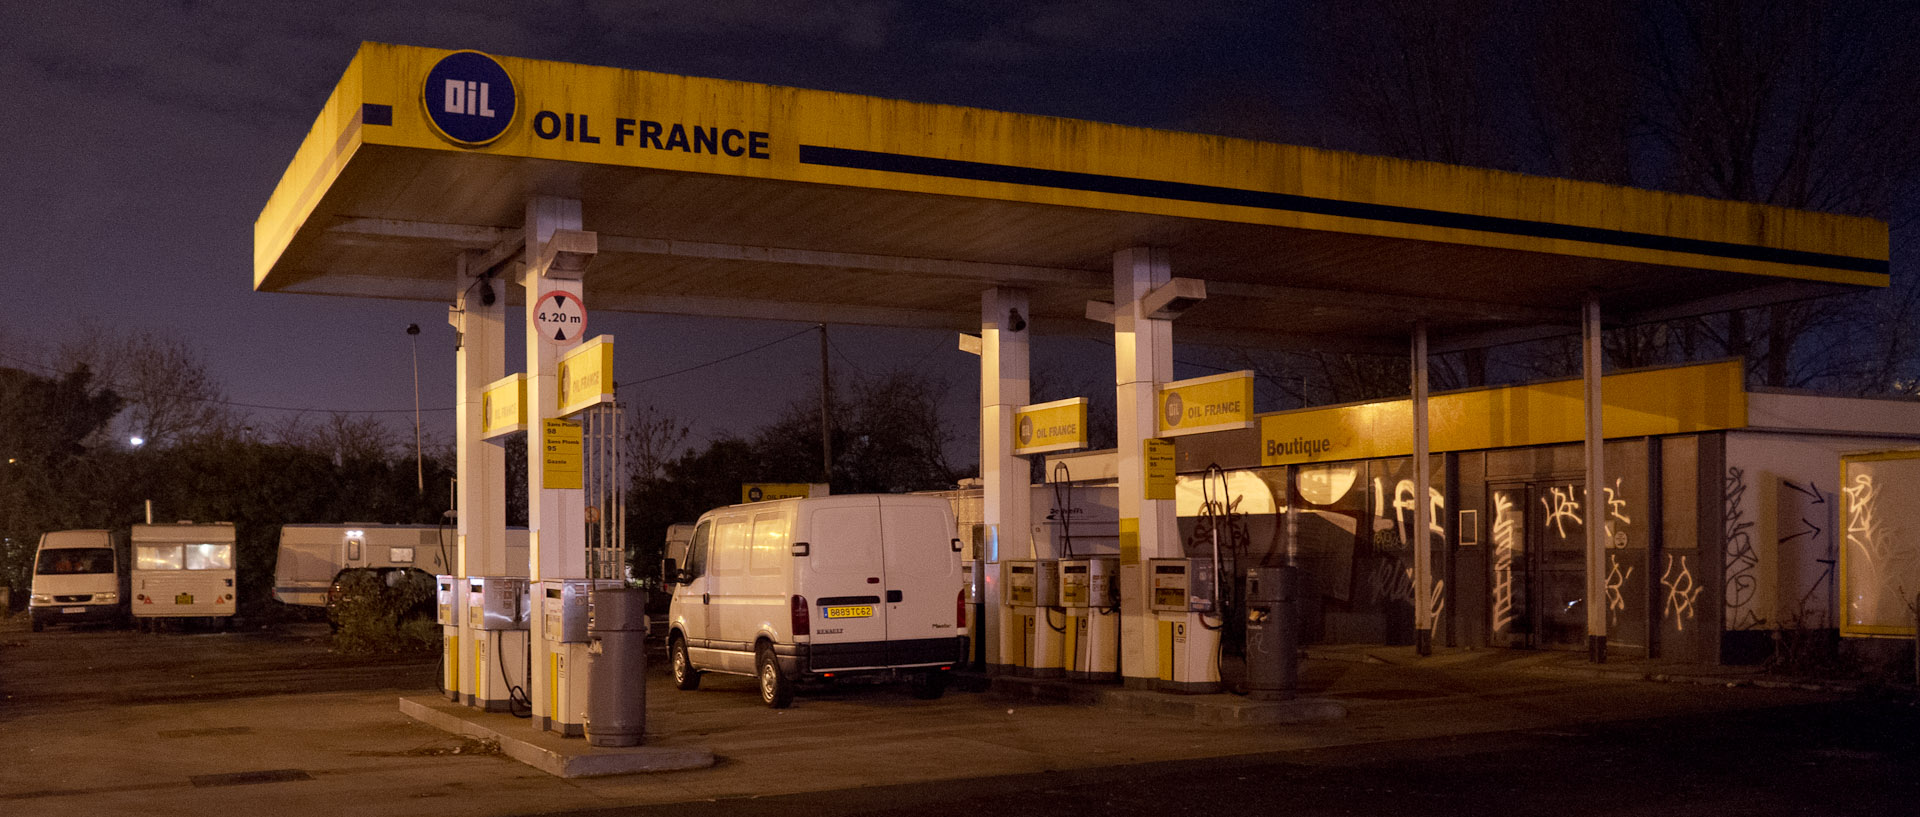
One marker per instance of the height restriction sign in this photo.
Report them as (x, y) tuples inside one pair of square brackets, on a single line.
[(561, 317)]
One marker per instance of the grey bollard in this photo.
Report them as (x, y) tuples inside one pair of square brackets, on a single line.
[(617, 667), (1273, 627)]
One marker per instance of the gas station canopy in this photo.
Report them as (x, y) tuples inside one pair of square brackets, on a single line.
[(731, 199)]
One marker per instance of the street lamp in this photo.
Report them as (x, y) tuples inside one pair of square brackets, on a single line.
[(419, 460)]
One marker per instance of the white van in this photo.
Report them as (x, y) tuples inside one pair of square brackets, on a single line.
[(183, 570), (77, 578), (820, 588)]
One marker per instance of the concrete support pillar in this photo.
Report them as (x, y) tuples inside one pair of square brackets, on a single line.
[(1178, 653), (1596, 516), (480, 468), (1007, 507), (556, 518), (1420, 538)]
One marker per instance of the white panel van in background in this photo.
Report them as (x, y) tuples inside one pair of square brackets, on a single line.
[(826, 587), (183, 570), (78, 578)]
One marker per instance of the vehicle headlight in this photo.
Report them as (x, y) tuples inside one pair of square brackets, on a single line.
[(39, 598), (106, 597)]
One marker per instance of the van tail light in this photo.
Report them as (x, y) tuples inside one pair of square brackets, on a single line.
[(960, 609), (800, 625)]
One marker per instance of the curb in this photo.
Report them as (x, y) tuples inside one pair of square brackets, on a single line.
[(550, 753)]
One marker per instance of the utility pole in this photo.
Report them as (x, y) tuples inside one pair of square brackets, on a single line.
[(826, 412), (419, 459)]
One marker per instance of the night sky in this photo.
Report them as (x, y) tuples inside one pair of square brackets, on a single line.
[(146, 136)]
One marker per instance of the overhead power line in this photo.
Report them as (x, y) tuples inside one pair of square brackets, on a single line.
[(806, 331)]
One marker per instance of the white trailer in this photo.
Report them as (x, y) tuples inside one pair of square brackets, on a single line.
[(183, 570), (312, 556)]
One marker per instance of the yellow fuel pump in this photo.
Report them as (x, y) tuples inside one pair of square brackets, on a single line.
[(1189, 639), (1032, 644), (497, 613), (1089, 594), (564, 615), (447, 613)]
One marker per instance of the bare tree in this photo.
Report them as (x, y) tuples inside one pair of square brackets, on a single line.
[(1802, 105), (342, 438), (170, 394), (653, 439)]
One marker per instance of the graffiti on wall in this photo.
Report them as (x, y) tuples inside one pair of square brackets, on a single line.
[(1391, 580), (1562, 506), (1403, 509), (1616, 582), (1879, 558), (1742, 582), (1682, 592), (1506, 540), (1800, 505)]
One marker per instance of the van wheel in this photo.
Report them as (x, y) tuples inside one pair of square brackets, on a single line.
[(776, 689), (38, 625), (684, 675), (928, 686)]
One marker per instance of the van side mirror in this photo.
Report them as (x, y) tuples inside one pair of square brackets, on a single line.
[(670, 572)]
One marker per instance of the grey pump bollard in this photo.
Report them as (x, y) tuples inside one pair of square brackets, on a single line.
[(617, 667), (1273, 660)]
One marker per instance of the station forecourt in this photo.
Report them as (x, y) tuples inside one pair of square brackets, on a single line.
[(485, 182)]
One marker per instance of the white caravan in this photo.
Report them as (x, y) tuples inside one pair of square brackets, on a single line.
[(183, 570), (77, 578), (820, 588), (312, 556)]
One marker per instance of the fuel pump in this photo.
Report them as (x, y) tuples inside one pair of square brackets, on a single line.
[(1182, 601), (1032, 593), (497, 612), (564, 615), (1090, 596), (447, 613), (971, 576)]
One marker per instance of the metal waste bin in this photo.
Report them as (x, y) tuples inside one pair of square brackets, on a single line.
[(617, 667), (1273, 625)]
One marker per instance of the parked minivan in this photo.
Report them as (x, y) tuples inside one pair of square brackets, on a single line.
[(78, 578), (814, 588)]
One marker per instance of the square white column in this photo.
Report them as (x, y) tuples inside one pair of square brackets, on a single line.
[(1007, 503)]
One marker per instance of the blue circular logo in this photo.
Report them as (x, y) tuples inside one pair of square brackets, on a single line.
[(470, 99)]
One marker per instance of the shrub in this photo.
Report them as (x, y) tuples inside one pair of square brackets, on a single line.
[(383, 611)]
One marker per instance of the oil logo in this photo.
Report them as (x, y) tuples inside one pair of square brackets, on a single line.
[(1175, 409), (469, 98)]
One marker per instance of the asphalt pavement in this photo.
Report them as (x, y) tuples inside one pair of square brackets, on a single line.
[(92, 729)]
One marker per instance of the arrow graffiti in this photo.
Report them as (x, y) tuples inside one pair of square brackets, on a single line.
[(1809, 490), (1811, 530)]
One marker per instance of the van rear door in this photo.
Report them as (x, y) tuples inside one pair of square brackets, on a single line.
[(844, 569), (922, 580)]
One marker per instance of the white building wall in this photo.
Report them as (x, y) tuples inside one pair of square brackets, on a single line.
[(1782, 516)]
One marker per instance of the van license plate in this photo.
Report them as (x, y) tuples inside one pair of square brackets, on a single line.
[(863, 611), (73, 609), (183, 598)]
